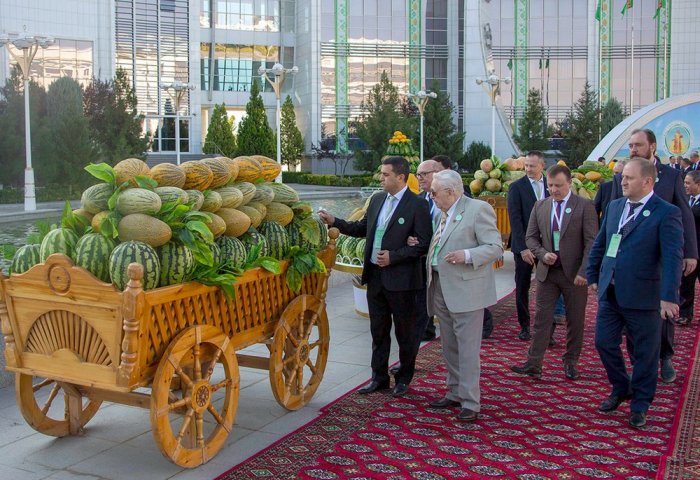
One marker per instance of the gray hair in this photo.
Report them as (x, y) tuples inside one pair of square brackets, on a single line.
[(448, 179)]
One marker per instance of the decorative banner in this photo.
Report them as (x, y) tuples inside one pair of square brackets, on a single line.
[(415, 77), (663, 45), (341, 76), (605, 39), (520, 67)]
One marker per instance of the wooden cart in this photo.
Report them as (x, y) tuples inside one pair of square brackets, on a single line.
[(74, 342)]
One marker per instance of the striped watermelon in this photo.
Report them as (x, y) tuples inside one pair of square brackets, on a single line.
[(25, 258), (324, 234), (176, 263), (277, 239), (216, 253), (296, 238), (232, 250), (138, 252), (59, 240), (251, 238), (92, 253)]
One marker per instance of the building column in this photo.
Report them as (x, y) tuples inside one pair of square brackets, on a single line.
[(605, 42), (520, 62), (415, 42), (342, 108)]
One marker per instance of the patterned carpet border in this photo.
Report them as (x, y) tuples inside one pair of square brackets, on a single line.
[(683, 458)]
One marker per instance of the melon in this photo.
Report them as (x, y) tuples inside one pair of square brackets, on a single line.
[(138, 200), (263, 194), (251, 238), (212, 201), (277, 239), (296, 238), (280, 213), (493, 185), (97, 221), (59, 240), (284, 193), (25, 258), (232, 166), (168, 175), (220, 171), (134, 252), (237, 222), (217, 258), (270, 168), (95, 199), (247, 189), (323, 237), (130, 168), (92, 253), (216, 225), (255, 217), (81, 212), (171, 194), (195, 198), (233, 251), (231, 197), (259, 207), (144, 228), (176, 263), (249, 169), (486, 165), (198, 175)]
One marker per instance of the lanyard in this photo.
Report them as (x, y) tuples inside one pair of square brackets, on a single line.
[(558, 218), (628, 219)]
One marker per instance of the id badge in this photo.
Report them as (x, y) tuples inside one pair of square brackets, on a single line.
[(556, 235), (614, 245)]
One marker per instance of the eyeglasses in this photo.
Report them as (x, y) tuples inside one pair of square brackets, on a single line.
[(424, 174), (434, 192)]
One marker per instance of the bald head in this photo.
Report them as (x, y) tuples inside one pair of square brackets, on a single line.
[(424, 173)]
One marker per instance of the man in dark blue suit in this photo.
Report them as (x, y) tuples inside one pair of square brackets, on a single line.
[(692, 188), (639, 248), (668, 187), (392, 270), (522, 196)]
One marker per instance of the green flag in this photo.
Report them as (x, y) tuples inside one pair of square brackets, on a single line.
[(597, 11), (659, 6), (628, 4), (510, 64)]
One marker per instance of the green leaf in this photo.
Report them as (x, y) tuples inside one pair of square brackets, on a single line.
[(201, 229), (270, 264), (195, 215), (103, 172), (293, 278), (308, 259), (145, 182), (109, 225), (310, 230), (112, 202), (8, 251), (299, 265)]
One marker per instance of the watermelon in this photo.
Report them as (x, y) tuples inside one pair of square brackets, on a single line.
[(277, 239), (216, 253), (92, 253), (25, 258), (232, 251), (251, 238), (176, 263), (134, 252), (296, 238), (324, 234), (60, 240), (360, 249)]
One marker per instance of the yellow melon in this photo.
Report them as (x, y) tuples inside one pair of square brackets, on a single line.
[(249, 169)]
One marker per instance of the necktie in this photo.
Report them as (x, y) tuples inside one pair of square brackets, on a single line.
[(693, 201), (434, 243), (388, 209), (628, 226), (381, 227)]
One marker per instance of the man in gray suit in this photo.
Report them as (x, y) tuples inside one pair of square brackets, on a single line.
[(461, 284)]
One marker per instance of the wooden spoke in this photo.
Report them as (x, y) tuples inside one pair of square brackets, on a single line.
[(196, 350), (57, 422), (296, 364)]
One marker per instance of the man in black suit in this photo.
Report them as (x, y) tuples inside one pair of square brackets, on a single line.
[(692, 188), (674, 161), (522, 196), (392, 270), (669, 187), (695, 161), (686, 166)]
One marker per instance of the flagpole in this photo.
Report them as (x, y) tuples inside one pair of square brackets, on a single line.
[(632, 71), (600, 72), (665, 52)]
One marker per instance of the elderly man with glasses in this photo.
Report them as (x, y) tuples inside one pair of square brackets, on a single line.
[(461, 284)]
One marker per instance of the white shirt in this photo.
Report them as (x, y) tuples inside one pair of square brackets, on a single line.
[(637, 211), (693, 200), (384, 213), (563, 209), (541, 184)]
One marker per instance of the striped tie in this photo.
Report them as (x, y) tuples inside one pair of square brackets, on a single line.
[(434, 243)]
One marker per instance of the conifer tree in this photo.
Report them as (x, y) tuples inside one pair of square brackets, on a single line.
[(220, 138), (255, 137), (581, 127), (610, 116), (440, 135), (533, 131), (292, 140)]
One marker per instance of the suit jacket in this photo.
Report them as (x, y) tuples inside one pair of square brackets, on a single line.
[(649, 261), (410, 218), (602, 198), (521, 199), (696, 215), (469, 287), (577, 233), (669, 187)]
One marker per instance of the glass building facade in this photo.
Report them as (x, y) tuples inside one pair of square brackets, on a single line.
[(65, 58)]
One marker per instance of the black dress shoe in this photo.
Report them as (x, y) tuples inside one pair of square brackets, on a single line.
[(466, 415), (444, 403), (612, 402), (524, 335), (400, 389), (638, 419), (552, 343), (570, 371), (373, 386), (428, 337), (527, 369)]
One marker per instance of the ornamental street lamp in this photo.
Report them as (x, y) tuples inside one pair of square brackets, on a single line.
[(492, 86), (279, 73), (421, 100), (177, 91), (22, 48)]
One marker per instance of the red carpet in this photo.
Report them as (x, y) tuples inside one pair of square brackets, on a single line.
[(548, 428)]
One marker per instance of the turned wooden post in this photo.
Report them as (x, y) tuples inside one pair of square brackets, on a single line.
[(130, 324), (6, 328)]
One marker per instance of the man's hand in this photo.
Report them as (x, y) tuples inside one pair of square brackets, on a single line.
[(528, 257), (383, 259), (326, 217), (455, 258), (689, 265), (669, 310), (412, 241), (550, 258), (580, 281), (593, 287)]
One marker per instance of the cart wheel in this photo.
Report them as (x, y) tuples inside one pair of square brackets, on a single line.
[(51, 407), (299, 352), (187, 426)]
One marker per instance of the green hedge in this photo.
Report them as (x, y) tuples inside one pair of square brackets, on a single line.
[(326, 180), (49, 193)]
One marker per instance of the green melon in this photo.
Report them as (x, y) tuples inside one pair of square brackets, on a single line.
[(284, 193), (60, 240), (95, 198), (138, 200), (171, 194), (277, 239), (92, 253), (25, 258), (176, 263), (233, 251), (251, 238), (134, 252)]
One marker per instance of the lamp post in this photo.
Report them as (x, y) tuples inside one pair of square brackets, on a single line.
[(421, 100), (492, 86), (177, 91), (279, 73), (25, 48)]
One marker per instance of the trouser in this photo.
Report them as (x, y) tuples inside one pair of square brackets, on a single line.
[(523, 275)]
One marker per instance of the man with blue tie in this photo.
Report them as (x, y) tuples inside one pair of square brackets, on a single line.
[(639, 248)]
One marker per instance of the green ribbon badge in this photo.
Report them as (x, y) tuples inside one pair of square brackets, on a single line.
[(646, 213), (458, 218), (401, 221), (568, 210)]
